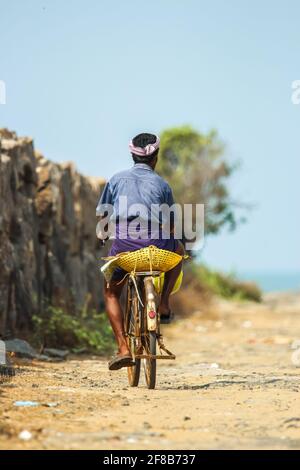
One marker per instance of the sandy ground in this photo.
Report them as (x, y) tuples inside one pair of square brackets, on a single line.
[(234, 385)]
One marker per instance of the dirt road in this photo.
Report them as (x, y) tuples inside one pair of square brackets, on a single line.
[(233, 385)]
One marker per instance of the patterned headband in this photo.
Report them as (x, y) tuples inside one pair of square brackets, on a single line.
[(144, 151)]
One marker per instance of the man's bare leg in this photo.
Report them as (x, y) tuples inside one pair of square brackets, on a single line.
[(169, 283), (112, 295)]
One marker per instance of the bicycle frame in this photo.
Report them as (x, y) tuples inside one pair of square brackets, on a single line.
[(149, 318)]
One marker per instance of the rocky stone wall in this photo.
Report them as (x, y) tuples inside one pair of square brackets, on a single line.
[(49, 253)]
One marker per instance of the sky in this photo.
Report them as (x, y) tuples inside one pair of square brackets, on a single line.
[(83, 77)]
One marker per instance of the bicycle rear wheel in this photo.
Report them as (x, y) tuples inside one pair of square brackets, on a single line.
[(150, 364), (132, 327), (150, 329)]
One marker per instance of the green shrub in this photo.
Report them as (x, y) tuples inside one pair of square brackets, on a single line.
[(90, 332), (225, 285)]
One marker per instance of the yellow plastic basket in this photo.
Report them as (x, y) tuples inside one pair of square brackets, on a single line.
[(150, 258)]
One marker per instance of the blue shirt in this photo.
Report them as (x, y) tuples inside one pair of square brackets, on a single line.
[(141, 185)]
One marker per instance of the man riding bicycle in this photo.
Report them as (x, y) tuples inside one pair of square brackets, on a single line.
[(142, 189)]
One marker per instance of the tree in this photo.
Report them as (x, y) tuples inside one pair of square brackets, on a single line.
[(193, 163)]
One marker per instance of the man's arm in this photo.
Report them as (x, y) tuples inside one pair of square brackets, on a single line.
[(104, 211)]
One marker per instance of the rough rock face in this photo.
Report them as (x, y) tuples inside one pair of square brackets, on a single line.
[(48, 249)]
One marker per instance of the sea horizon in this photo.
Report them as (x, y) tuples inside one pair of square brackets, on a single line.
[(273, 281)]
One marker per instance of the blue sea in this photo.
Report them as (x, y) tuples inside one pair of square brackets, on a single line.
[(273, 281)]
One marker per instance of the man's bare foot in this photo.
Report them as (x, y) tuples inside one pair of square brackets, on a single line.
[(165, 314), (163, 309), (123, 350), (119, 361)]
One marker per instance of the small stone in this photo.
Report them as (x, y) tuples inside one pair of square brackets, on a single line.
[(25, 435), (58, 353), (214, 365), (26, 404), (247, 324), (21, 348)]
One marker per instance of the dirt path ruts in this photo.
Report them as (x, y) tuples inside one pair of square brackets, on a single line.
[(233, 385)]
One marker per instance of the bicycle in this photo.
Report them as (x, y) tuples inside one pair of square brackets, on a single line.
[(144, 271), (142, 327)]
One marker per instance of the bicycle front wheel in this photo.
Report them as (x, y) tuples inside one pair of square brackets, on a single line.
[(132, 333)]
